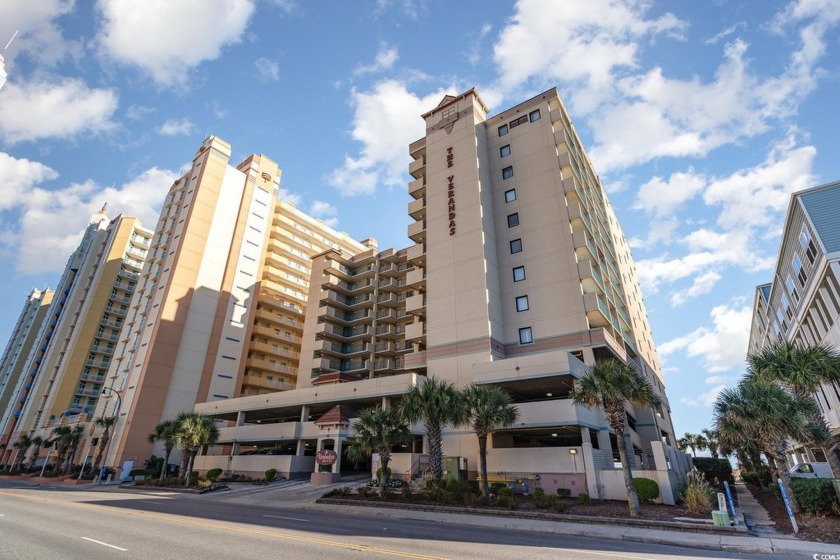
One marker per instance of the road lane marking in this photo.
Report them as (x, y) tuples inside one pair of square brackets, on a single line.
[(184, 520), (105, 544), (289, 518), (145, 502)]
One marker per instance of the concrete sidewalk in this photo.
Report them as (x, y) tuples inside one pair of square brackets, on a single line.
[(704, 541)]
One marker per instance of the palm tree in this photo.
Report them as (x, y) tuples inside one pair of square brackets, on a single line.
[(106, 422), (167, 432), (38, 442), (694, 442), (23, 444), (72, 440), (487, 408), (769, 413), (60, 436), (435, 404), (712, 442), (194, 431), (377, 431), (802, 368), (611, 385)]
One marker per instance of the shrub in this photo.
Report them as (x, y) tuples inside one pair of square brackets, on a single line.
[(760, 477), (270, 474), (583, 497), (647, 489), (504, 498), (204, 484), (815, 495), (213, 474), (717, 471), (496, 486), (387, 473), (541, 500), (697, 494), (458, 488), (564, 492), (193, 478), (138, 472), (406, 493), (363, 491), (557, 504), (343, 491)]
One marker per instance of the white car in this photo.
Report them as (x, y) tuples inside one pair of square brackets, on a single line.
[(811, 470)]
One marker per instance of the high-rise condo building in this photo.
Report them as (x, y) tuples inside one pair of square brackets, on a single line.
[(220, 302), (20, 345), (519, 277), (67, 368), (802, 303)]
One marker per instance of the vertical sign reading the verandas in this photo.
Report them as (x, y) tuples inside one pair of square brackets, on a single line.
[(450, 190)]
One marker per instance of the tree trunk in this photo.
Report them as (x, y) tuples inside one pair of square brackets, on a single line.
[(185, 460), (190, 458), (632, 497), (831, 457), (435, 452), (103, 442), (165, 466), (384, 459), (482, 459), (781, 474)]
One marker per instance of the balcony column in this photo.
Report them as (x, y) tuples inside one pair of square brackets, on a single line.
[(304, 413), (240, 418), (336, 467)]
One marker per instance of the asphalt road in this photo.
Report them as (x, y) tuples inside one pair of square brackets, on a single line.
[(57, 523)]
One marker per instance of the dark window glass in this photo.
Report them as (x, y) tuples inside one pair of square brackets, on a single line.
[(516, 246), (522, 303), (507, 172), (504, 150), (503, 130), (526, 336), (534, 115), (513, 220)]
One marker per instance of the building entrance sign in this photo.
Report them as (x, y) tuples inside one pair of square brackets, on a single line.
[(326, 457)]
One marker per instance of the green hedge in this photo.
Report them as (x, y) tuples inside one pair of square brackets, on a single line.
[(647, 489), (213, 474), (717, 471), (815, 495), (270, 474), (760, 477)]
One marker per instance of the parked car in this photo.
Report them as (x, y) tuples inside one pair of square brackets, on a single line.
[(811, 470)]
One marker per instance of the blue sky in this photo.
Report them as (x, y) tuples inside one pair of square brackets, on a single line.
[(700, 117)]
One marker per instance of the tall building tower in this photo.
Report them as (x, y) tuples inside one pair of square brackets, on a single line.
[(74, 368), (219, 305), (802, 303), (69, 294), (29, 324), (524, 263)]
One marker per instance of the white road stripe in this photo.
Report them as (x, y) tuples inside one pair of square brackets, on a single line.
[(144, 502), (289, 518), (105, 544)]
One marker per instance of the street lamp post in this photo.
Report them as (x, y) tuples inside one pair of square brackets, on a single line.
[(116, 415)]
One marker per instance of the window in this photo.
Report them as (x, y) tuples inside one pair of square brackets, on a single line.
[(510, 195), (516, 122), (513, 219), (534, 115), (522, 303), (518, 273), (507, 172), (791, 288), (526, 336), (796, 263), (503, 130), (804, 237), (516, 246), (504, 151)]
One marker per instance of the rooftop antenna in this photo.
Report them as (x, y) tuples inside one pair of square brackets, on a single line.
[(7, 44)]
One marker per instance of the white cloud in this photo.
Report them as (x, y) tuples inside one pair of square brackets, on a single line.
[(176, 127), (325, 212), (290, 197), (703, 284), (704, 400), (662, 197), (137, 112), (385, 59), (581, 44), (167, 39), (721, 347), (386, 120), (39, 36), (52, 221), (267, 70), (64, 109), (18, 177)]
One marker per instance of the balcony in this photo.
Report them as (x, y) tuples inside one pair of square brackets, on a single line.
[(417, 188), (417, 168), (266, 365), (597, 311), (416, 254), (276, 334), (590, 278), (417, 209), (417, 231), (100, 364), (416, 278), (265, 383), (415, 332), (273, 349), (416, 304)]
